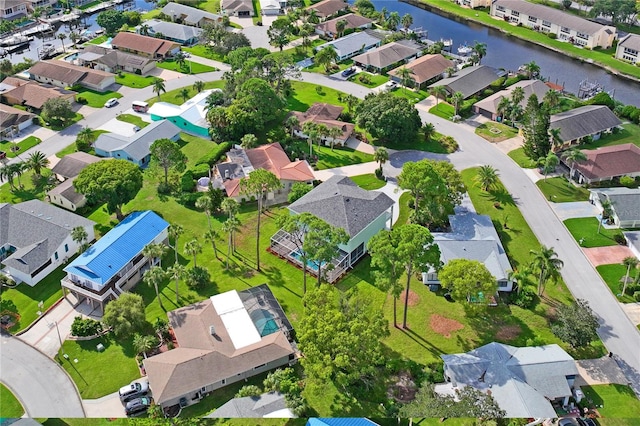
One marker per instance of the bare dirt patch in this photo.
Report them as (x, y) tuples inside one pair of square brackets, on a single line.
[(402, 387), (414, 299), (443, 325), (508, 332)]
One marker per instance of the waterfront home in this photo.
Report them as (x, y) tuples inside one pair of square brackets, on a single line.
[(624, 202), (469, 81), (63, 74), (474, 3), (565, 26), (271, 157), (472, 237), (184, 34), (385, 57), (425, 69), (578, 123), (352, 22), (150, 47), (115, 263), (524, 382), (188, 15), (66, 170), (325, 9), (35, 238), (268, 405), (488, 106), (328, 115), (606, 163), (14, 120), (135, 148), (110, 60), (13, 9), (239, 8), (353, 44), (342, 204), (43, 4), (191, 116), (28, 93), (221, 340), (629, 48)]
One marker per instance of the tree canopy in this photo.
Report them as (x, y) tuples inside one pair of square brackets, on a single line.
[(388, 117), (471, 403), (167, 154), (57, 109), (111, 20), (576, 324), (469, 282), (125, 314), (535, 130)]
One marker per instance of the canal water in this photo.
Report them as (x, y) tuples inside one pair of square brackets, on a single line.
[(509, 52)]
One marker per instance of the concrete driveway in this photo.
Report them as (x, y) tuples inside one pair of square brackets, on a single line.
[(108, 407), (119, 127), (607, 255), (575, 209)]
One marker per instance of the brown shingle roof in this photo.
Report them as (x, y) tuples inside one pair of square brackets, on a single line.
[(384, 56), (327, 114), (68, 73), (326, 8), (425, 68), (610, 161), (353, 21), (35, 95), (71, 165), (10, 116), (272, 157), (141, 43)]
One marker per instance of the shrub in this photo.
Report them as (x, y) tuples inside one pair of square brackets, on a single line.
[(620, 239), (197, 277), (552, 35), (83, 146), (364, 78), (627, 181), (164, 188), (215, 154), (83, 327), (525, 298), (189, 198), (187, 182), (248, 390), (81, 100), (379, 174), (636, 296), (449, 144), (200, 170)]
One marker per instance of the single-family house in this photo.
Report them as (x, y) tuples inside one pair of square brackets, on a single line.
[(327, 115), (14, 120), (63, 74), (567, 27), (342, 204), (13, 9), (186, 35), (474, 3), (488, 106), (135, 148), (353, 44), (111, 60), (221, 340), (272, 7), (425, 69), (35, 238), (115, 263), (188, 15), (191, 116), (524, 382), (472, 237), (588, 120), (633, 242), (267, 405), (469, 81), (66, 170), (628, 48), (352, 22), (387, 56), (43, 4), (625, 204), (28, 93), (327, 8), (606, 163), (239, 8), (151, 47), (271, 157)]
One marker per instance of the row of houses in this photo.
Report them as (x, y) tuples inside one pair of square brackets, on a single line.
[(14, 9)]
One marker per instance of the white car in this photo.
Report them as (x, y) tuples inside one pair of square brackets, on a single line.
[(111, 102), (391, 85)]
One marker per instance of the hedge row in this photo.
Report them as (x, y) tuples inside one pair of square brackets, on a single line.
[(215, 154)]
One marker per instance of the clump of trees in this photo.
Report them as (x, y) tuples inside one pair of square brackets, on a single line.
[(468, 281), (468, 402), (125, 315), (216, 38), (576, 324), (83, 327), (388, 117)]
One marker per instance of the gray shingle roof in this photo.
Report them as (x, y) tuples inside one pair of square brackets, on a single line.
[(633, 239), (71, 165), (389, 54), (353, 42), (343, 204), (251, 406), (138, 145), (172, 30), (68, 191), (631, 41), (583, 121), (625, 202), (190, 15), (530, 87), (469, 80)]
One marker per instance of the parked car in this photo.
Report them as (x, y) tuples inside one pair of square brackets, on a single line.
[(391, 85), (111, 102), (137, 406), (136, 128), (133, 390), (567, 421), (3, 155), (348, 72)]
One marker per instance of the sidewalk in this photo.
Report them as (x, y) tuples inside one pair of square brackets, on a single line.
[(353, 170)]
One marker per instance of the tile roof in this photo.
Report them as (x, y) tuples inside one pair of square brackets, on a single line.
[(251, 406), (327, 114), (326, 8), (530, 87), (190, 15), (104, 259), (386, 55), (353, 21), (425, 67), (140, 43), (71, 165), (137, 145), (583, 121), (237, 5), (625, 202), (343, 204), (610, 161), (173, 30), (10, 116), (272, 157), (68, 73), (631, 41), (35, 94), (469, 80)]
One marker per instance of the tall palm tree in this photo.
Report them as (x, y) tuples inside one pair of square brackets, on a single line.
[(480, 50), (154, 277), (175, 231), (230, 207), (181, 59), (548, 163), (456, 100), (405, 74), (153, 251), (212, 235), (205, 204), (629, 262), (547, 264), (393, 21), (532, 69), (79, 236), (381, 156), (556, 139), (17, 169), (573, 155), (291, 123), (503, 107), (517, 95), (487, 177), (521, 278), (192, 248), (313, 133), (551, 98), (185, 94), (198, 86), (341, 24), (230, 227), (74, 37), (37, 161), (8, 173), (142, 343), (159, 87), (334, 133), (429, 131), (440, 92), (515, 113), (62, 37), (176, 272), (407, 21)]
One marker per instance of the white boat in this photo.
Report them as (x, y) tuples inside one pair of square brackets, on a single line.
[(40, 28), (464, 49), (15, 40), (447, 43)]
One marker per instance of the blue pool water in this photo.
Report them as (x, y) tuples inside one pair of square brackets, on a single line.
[(310, 265)]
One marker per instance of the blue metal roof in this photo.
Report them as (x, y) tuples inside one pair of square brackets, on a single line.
[(118, 247), (340, 421)]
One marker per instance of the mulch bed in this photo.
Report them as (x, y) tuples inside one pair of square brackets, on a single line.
[(444, 326), (414, 299)]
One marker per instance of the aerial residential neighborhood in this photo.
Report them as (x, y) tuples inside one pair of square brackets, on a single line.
[(320, 213)]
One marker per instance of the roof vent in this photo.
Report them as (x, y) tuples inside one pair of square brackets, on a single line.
[(212, 330)]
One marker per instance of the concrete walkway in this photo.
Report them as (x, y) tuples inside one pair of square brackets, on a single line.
[(607, 255), (353, 170), (633, 311)]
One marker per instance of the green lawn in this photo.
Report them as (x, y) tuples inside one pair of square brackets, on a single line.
[(405, 211), (173, 96), (32, 188), (212, 6), (194, 147), (410, 94), (60, 125), (96, 99), (521, 158), (328, 158), (95, 382), (629, 134), (28, 142), (374, 80), (586, 228), (189, 67), (72, 148), (442, 110), (202, 51), (11, 407), (616, 401), (320, 69), (419, 144), (369, 181), (496, 132), (99, 40), (612, 275), (88, 5), (132, 119), (560, 190), (134, 80), (303, 95)]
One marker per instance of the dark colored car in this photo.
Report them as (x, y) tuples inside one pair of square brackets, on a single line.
[(133, 390), (348, 72), (3, 155), (137, 406)]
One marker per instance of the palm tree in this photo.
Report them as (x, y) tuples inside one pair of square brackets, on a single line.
[(546, 262), (153, 251), (37, 161), (192, 248), (405, 74), (607, 211), (176, 272), (334, 133), (159, 87), (291, 123), (532, 69), (574, 155), (548, 163), (503, 107), (340, 26), (185, 94), (198, 86), (352, 102), (393, 21), (381, 156), (154, 277), (429, 131), (517, 96), (230, 227), (407, 21), (449, 71), (629, 262), (62, 37), (249, 141), (17, 169), (516, 111), (7, 173), (440, 92), (74, 37), (181, 59), (142, 344), (79, 236), (384, 13), (456, 100), (556, 139), (551, 98), (325, 57), (212, 235), (175, 231), (487, 177), (311, 130), (86, 135), (480, 50), (230, 207), (144, 29), (521, 278)]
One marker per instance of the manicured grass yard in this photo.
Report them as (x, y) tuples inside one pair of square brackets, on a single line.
[(612, 275), (24, 145), (11, 407), (586, 228), (72, 148), (320, 69), (405, 211), (560, 190), (410, 94), (132, 119), (134, 80), (629, 134), (374, 80), (303, 95), (194, 147), (60, 125), (99, 40), (96, 99), (369, 181), (521, 158), (173, 96), (617, 401), (496, 132), (200, 50), (29, 191), (189, 67), (340, 156), (443, 110)]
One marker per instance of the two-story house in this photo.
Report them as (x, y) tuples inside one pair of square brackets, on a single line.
[(629, 48)]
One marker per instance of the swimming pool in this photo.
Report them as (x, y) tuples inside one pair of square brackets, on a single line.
[(310, 265)]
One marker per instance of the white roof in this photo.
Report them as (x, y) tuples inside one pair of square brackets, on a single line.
[(193, 111), (285, 413), (236, 319), (269, 4)]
